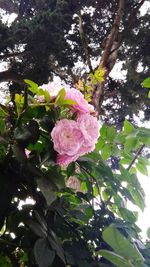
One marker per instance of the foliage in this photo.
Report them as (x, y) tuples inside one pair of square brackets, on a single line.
[(63, 226), (47, 33)]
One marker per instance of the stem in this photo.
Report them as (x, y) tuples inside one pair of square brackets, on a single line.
[(41, 104), (135, 157), (94, 179)]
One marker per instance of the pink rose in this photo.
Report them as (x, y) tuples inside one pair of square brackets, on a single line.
[(82, 105), (64, 160), (67, 137), (90, 128)]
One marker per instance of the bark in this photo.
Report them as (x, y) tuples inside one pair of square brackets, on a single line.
[(98, 93)]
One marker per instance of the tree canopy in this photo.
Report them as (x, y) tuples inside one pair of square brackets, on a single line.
[(45, 40), (65, 185)]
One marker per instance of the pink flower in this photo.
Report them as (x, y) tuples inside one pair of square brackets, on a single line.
[(67, 137), (82, 105), (64, 160), (90, 128), (27, 152)]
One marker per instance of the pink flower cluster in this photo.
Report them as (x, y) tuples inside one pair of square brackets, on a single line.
[(82, 105), (73, 138)]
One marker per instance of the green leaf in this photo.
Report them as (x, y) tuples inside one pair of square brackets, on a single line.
[(111, 133), (60, 97), (146, 83), (5, 261), (121, 245), (127, 215), (138, 198), (4, 109), (144, 161), (44, 256), (56, 245), (144, 135), (70, 169), (128, 127), (32, 86), (47, 190), (106, 151), (131, 144), (2, 125), (37, 228), (100, 144), (142, 168), (116, 259), (120, 138), (148, 232), (27, 133), (103, 131), (149, 94), (19, 153), (68, 102)]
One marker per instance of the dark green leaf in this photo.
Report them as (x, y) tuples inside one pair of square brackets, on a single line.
[(116, 259), (37, 228), (55, 243), (44, 256), (47, 189), (121, 244), (138, 198)]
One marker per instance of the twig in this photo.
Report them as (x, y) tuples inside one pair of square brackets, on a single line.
[(135, 157), (15, 54), (94, 179), (84, 42)]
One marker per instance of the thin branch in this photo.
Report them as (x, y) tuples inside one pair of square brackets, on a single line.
[(84, 42), (15, 54), (135, 157), (94, 179)]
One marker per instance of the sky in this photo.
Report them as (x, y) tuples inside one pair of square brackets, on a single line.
[(144, 217)]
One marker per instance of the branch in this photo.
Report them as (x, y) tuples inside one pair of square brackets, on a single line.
[(113, 33), (135, 157), (10, 75), (84, 42), (16, 54), (98, 93)]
